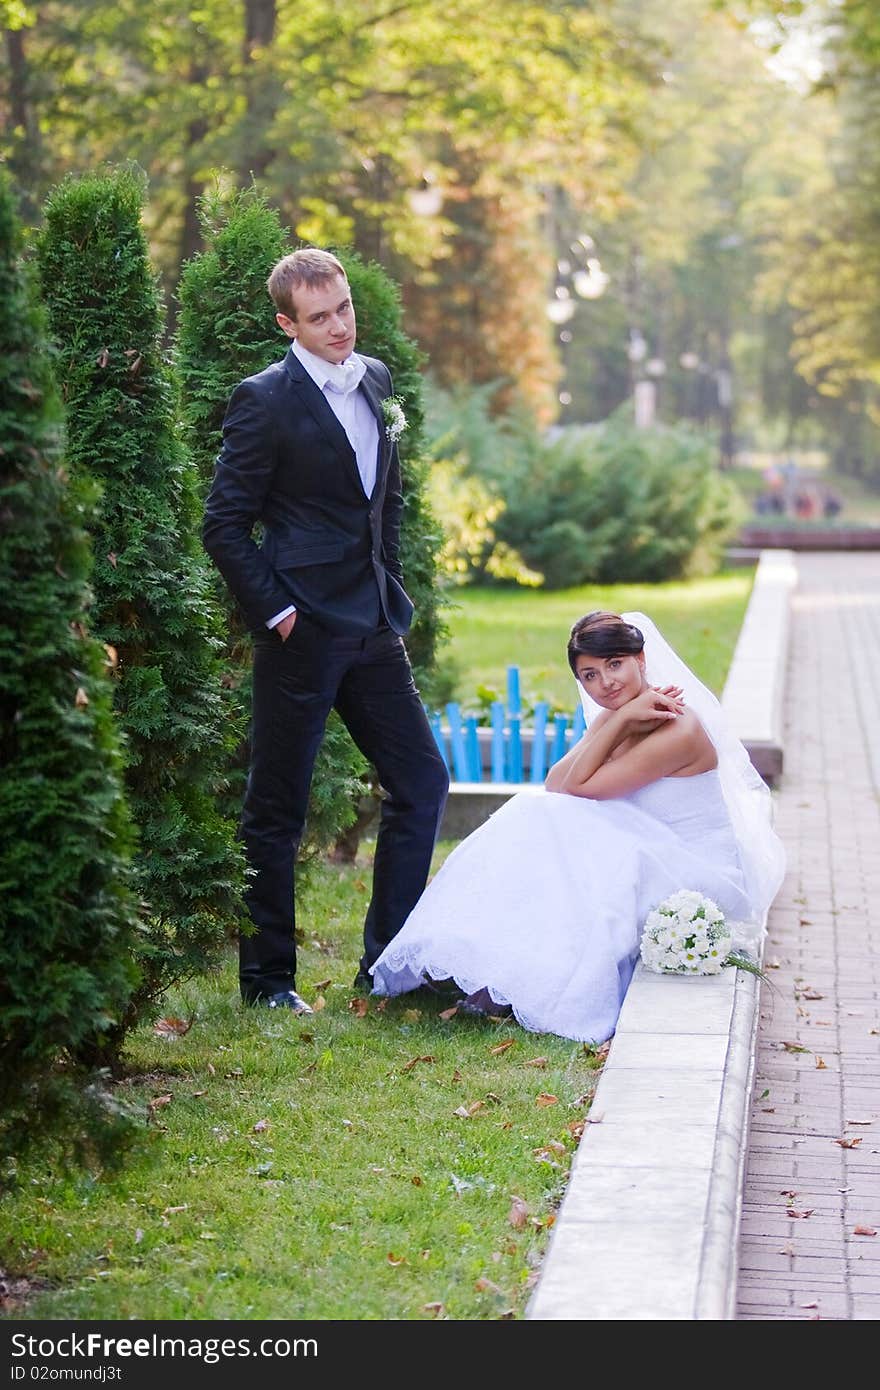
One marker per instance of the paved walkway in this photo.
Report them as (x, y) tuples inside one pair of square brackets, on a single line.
[(817, 1077)]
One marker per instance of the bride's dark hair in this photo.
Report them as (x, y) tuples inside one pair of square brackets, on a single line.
[(603, 634)]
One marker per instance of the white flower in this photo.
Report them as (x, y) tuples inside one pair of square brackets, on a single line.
[(395, 420)]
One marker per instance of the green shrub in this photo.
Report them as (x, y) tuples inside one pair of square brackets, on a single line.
[(68, 913), (153, 588), (614, 504)]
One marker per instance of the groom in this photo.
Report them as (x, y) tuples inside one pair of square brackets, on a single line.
[(309, 454)]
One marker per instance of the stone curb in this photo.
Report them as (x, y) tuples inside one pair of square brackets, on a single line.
[(649, 1226)]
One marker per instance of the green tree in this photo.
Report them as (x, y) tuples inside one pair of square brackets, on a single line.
[(152, 587), (68, 913)]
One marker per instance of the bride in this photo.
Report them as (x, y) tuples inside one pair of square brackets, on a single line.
[(539, 912)]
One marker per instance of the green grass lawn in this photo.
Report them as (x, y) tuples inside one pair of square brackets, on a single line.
[(492, 629), (315, 1168)]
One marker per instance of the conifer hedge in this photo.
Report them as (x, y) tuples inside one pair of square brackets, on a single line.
[(153, 589), (68, 911), (227, 331)]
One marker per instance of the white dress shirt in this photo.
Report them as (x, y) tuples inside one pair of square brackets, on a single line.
[(339, 384)]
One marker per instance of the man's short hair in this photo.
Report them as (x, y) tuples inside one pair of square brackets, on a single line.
[(310, 266)]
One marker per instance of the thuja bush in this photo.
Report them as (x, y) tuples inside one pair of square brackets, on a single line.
[(68, 913), (381, 334), (153, 590), (227, 331)]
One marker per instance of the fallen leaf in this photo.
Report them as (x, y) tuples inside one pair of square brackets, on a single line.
[(539, 1062), (787, 1192), (456, 1075), (321, 985), (490, 1095), (172, 1027), (169, 1211), (821, 1065), (811, 994), (435, 1309), (212, 1069), (80, 699), (260, 1126), (414, 1061), (518, 1214), (772, 964), (196, 1094), (112, 656), (800, 1215), (416, 1180), (412, 1015), (595, 1118), (576, 1128), (768, 1109), (112, 558), (466, 1111), (864, 1231), (502, 1047), (307, 1037), (158, 1101), (814, 1304), (318, 1004), (545, 1098), (103, 357), (395, 1260), (359, 1007), (860, 1122), (234, 1074), (484, 1285), (794, 1047), (447, 1014), (851, 1143)]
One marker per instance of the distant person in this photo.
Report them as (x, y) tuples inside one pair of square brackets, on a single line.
[(832, 505), (310, 454), (540, 911)]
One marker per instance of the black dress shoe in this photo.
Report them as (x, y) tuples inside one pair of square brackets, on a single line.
[(363, 982), (286, 999)]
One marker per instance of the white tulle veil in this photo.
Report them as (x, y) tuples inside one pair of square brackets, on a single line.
[(746, 795)]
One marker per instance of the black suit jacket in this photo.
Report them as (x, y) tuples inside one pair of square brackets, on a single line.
[(326, 547)]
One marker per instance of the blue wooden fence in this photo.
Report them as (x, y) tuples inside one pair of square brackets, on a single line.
[(460, 745)]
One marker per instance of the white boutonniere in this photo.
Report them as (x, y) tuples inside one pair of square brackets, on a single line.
[(395, 420)]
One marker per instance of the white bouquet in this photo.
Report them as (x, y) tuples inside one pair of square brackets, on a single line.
[(688, 935)]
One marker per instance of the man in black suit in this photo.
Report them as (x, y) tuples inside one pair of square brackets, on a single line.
[(310, 453)]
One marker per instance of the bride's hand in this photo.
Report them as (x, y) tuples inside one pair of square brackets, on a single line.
[(652, 708), (674, 690)]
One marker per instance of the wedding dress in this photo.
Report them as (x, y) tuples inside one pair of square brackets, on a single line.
[(545, 903)]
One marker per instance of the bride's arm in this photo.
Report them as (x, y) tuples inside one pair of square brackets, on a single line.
[(674, 741)]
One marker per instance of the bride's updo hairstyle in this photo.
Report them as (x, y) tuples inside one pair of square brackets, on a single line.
[(603, 635)]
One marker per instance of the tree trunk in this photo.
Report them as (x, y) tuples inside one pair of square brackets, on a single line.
[(261, 91), (23, 131)]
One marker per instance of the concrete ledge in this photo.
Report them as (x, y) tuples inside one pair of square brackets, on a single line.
[(469, 804), (755, 687)]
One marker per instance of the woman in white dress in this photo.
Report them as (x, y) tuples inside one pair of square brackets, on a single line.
[(540, 911)]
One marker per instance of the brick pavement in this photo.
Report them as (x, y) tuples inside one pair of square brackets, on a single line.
[(817, 1072)]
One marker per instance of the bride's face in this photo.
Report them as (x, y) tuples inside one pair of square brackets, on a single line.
[(612, 681)]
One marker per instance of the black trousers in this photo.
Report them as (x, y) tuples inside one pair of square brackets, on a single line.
[(295, 685)]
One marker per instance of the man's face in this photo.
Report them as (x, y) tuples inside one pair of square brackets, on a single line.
[(325, 322)]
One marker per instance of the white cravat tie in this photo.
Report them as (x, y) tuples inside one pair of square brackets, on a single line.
[(345, 376)]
